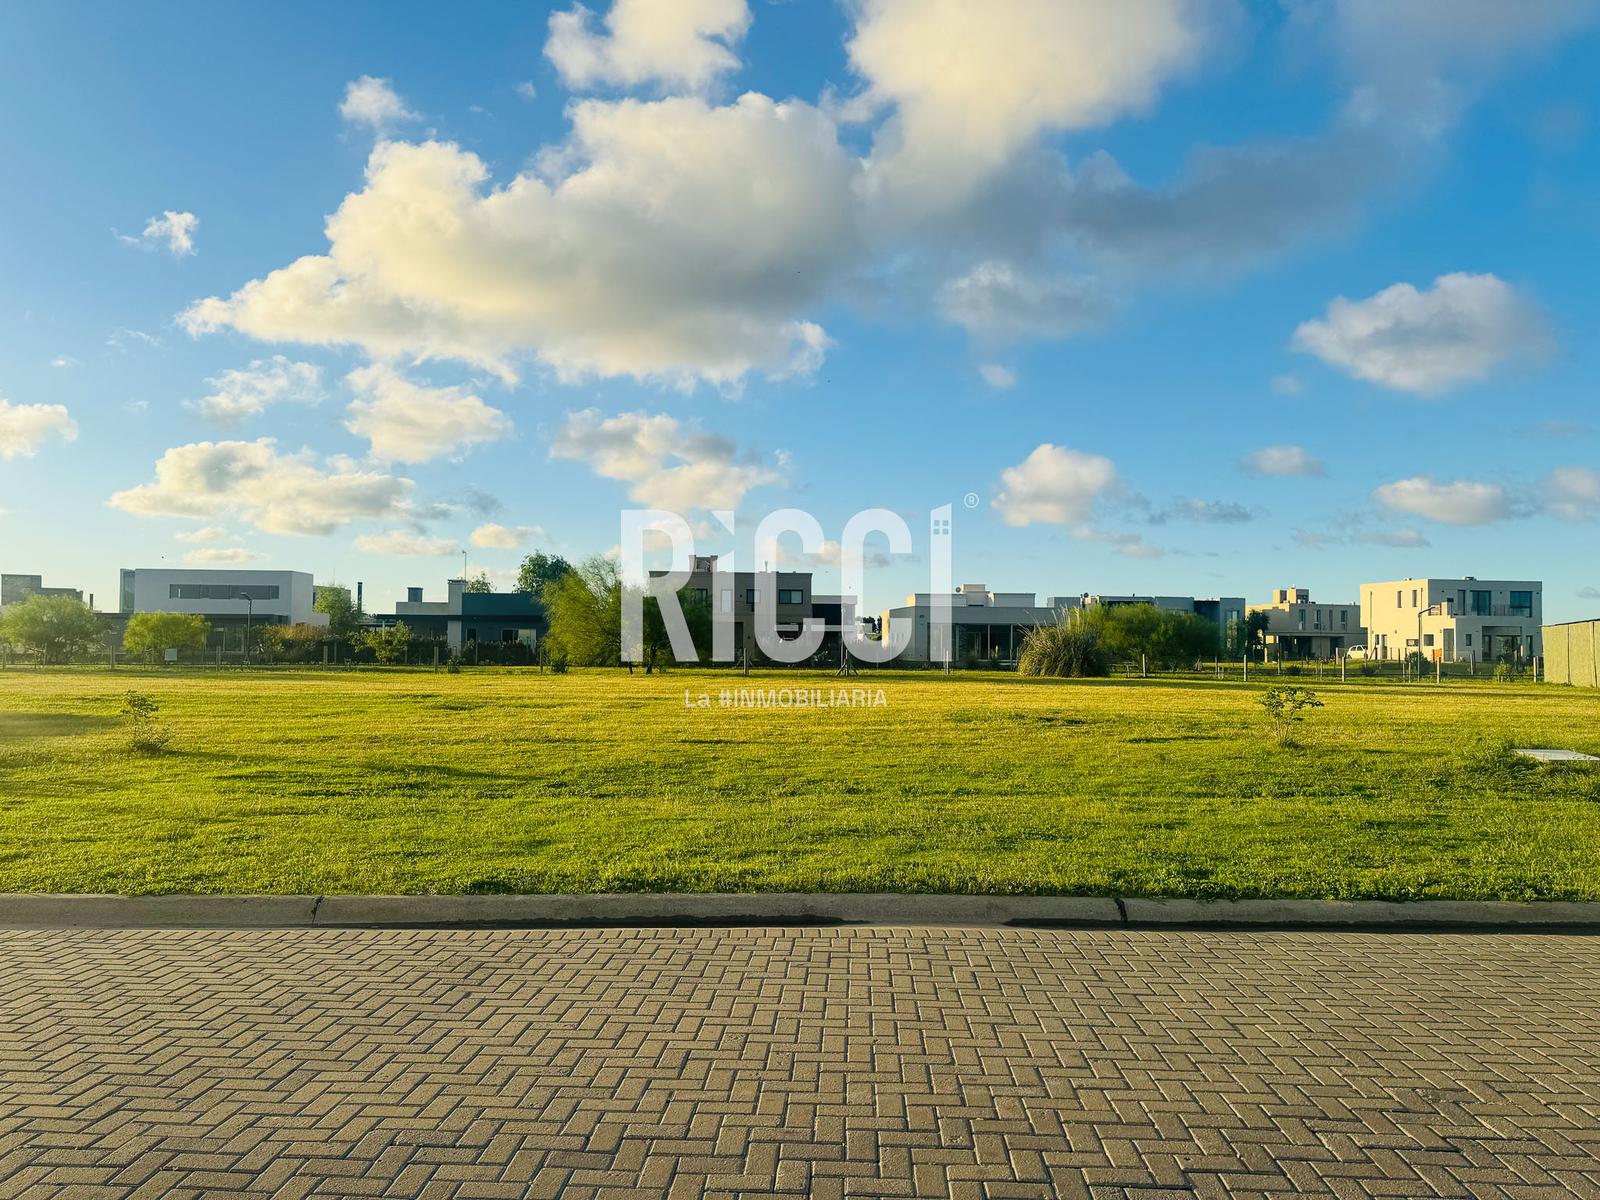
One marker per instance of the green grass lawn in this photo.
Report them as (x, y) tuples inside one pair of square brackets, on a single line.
[(411, 781)]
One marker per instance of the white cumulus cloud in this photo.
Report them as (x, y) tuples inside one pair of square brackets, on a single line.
[(504, 537), (1428, 341), (667, 464), (685, 44), (1054, 485), (998, 376), (1282, 460), (404, 542), (675, 240), (998, 302), (248, 392), (1573, 493), (374, 103), (971, 85), (24, 428), (204, 536), (1462, 502), (220, 555), (278, 493), (175, 229), (407, 422)]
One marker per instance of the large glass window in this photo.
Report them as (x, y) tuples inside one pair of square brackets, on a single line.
[(222, 591), (1522, 604), (791, 596), (1481, 603)]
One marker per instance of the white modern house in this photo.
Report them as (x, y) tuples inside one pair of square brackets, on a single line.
[(983, 624), (265, 597), (1299, 627), (1454, 620)]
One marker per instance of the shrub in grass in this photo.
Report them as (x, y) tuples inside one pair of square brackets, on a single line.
[(146, 734), (558, 664), (1071, 649), (1286, 706)]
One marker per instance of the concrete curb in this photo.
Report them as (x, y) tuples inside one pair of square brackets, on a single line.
[(47, 911)]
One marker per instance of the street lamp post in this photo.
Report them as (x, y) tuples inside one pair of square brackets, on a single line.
[(249, 612), (1422, 612)]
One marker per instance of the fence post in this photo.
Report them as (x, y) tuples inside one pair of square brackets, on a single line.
[(1144, 667), (1246, 661)]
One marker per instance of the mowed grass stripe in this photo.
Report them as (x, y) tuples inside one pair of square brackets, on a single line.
[(412, 781)]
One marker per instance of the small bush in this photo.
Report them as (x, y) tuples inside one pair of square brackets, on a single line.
[(146, 734), (453, 667), (1285, 706), (1069, 650), (1504, 672), (558, 664)]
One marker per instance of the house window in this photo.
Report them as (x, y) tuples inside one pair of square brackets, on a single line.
[(1522, 604), (791, 596), (1481, 605), (508, 635), (1468, 638), (1344, 618), (727, 600), (472, 635), (752, 596), (222, 591), (1300, 618), (1427, 639), (1399, 602), (1414, 598)]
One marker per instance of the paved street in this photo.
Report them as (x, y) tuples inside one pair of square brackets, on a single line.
[(821, 1062)]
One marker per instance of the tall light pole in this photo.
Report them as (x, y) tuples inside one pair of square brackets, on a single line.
[(1422, 612), (249, 612)]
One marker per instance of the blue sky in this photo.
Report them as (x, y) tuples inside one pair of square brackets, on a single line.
[(1080, 262)]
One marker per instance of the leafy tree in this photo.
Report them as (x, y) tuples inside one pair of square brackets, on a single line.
[(479, 584), (1162, 637), (388, 644), (291, 643), (57, 628), (1256, 630), (540, 569), (344, 618), (585, 613), (150, 633), (584, 608)]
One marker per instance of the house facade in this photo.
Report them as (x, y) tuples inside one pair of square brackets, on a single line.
[(1298, 627), (222, 597), (14, 589), (984, 625), (1454, 620), (466, 619), (737, 594)]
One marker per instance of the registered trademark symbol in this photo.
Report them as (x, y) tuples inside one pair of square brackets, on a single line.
[(970, 499)]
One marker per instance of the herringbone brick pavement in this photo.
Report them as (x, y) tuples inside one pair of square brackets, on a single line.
[(823, 1062)]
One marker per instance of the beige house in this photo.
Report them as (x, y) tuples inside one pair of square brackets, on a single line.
[(1298, 627), (1454, 620)]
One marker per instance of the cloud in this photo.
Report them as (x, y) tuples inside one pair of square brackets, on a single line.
[(1287, 385), (374, 103), (211, 533), (221, 554), (402, 542), (1419, 63), (238, 394), (1428, 342), (64, 361), (176, 229), (526, 90), (123, 339), (675, 241), (501, 537), (681, 44), (1281, 460), (24, 428), (1589, 593), (999, 303), (407, 422), (969, 86), (1573, 493), (277, 493), (1209, 512), (1463, 502), (1054, 485), (669, 465), (998, 377)]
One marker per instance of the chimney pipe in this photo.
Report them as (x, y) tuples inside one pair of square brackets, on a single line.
[(360, 588)]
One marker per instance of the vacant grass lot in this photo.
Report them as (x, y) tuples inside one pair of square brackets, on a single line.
[(310, 781)]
